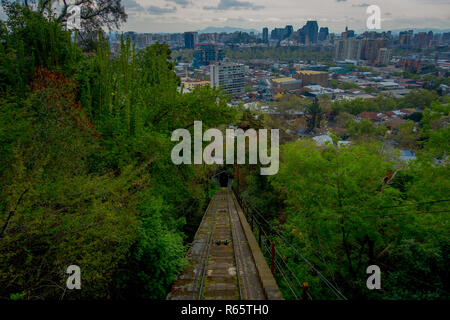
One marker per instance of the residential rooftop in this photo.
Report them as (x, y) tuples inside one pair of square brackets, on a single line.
[(311, 72), (284, 80)]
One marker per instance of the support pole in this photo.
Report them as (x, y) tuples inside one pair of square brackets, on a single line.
[(239, 180), (305, 291), (259, 235), (272, 264)]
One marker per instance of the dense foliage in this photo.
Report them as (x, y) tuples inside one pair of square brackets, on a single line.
[(86, 176), (345, 208), (414, 99)]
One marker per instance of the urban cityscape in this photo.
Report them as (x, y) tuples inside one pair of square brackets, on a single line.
[(123, 154), (344, 67), (385, 53)]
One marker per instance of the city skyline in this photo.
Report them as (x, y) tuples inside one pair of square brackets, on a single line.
[(171, 16), (177, 16)]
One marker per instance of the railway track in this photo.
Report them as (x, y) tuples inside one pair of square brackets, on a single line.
[(224, 262)]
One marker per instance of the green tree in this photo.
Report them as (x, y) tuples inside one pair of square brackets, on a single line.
[(343, 118), (419, 99), (365, 129), (86, 175), (346, 209), (314, 114), (408, 134)]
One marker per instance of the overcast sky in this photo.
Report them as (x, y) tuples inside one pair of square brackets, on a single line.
[(187, 15)]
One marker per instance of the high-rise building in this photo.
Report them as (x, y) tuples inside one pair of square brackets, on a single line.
[(348, 49), (384, 56), (282, 33), (265, 36), (229, 76), (347, 34), (204, 54), (405, 39), (277, 34), (309, 33), (190, 40), (302, 35), (374, 50), (371, 47), (446, 37), (312, 31), (422, 40), (331, 37), (323, 34), (288, 31)]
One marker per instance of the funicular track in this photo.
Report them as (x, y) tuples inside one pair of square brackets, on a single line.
[(225, 261)]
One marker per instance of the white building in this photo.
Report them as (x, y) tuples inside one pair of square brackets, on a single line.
[(348, 49), (384, 56), (229, 76)]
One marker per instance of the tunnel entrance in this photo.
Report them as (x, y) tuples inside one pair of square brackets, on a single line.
[(224, 177)]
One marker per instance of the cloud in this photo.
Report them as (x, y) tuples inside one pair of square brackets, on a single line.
[(182, 3), (132, 5), (362, 5), (233, 4), (341, 0), (161, 10)]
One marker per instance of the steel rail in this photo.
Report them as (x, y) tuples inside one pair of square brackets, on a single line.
[(205, 259), (236, 243)]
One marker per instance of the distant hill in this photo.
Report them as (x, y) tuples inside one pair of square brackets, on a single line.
[(226, 29)]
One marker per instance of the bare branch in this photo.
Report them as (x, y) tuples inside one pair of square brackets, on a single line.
[(11, 213)]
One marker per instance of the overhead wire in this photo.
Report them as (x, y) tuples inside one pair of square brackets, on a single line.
[(335, 290)]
